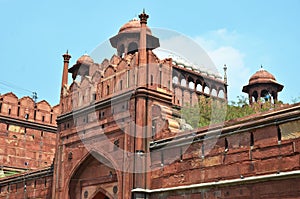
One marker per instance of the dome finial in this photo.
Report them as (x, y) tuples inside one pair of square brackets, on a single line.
[(225, 74), (261, 68), (143, 17)]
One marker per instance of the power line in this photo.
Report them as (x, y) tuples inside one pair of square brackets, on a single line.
[(18, 89), (10, 85)]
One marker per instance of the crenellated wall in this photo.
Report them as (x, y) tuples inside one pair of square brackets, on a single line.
[(36, 184), (27, 133), (26, 109)]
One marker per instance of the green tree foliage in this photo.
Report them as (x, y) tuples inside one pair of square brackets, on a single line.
[(295, 100), (213, 111)]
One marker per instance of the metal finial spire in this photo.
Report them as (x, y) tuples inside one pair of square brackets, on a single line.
[(261, 68), (34, 96), (143, 17), (225, 74), (67, 52)]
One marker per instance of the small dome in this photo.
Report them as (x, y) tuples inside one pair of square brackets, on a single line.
[(85, 59), (133, 26), (262, 76)]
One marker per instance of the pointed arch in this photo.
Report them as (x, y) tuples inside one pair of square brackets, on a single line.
[(206, 89), (133, 47), (221, 93), (82, 169), (101, 192), (175, 80), (183, 82), (214, 92)]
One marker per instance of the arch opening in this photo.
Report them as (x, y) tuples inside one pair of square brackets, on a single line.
[(132, 48), (94, 173), (175, 80), (121, 50)]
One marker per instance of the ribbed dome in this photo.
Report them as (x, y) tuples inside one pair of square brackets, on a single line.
[(85, 59), (262, 76), (133, 26)]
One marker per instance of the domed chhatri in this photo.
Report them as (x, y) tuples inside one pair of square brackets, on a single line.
[(82, 66), (85, 59), (262, 84), (127, 41)]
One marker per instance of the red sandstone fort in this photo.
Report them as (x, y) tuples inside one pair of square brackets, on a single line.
[(117, 133)]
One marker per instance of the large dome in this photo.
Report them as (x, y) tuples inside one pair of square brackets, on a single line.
[(262, 76), (133, 26)]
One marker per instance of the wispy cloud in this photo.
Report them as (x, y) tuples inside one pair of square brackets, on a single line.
[(221, 46)]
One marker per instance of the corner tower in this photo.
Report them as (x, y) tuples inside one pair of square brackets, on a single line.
[(262, 84)]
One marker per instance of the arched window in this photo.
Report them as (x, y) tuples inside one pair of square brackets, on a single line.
[(255, 95), (175, 80), (183, 82), (265, 95), (191, 85), (132, 48), (206, 90), (121, 50), (199, 87), (221, 94), (214, 92)]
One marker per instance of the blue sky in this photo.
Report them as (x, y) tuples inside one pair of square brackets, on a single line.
[(242, 34)]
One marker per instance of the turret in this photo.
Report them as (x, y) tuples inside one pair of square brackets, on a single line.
[(64, 81)]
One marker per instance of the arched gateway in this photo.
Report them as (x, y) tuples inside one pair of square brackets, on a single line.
[(94, 178)]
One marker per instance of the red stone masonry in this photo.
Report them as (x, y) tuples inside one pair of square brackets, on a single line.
[(250, 153), (27, 133)]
